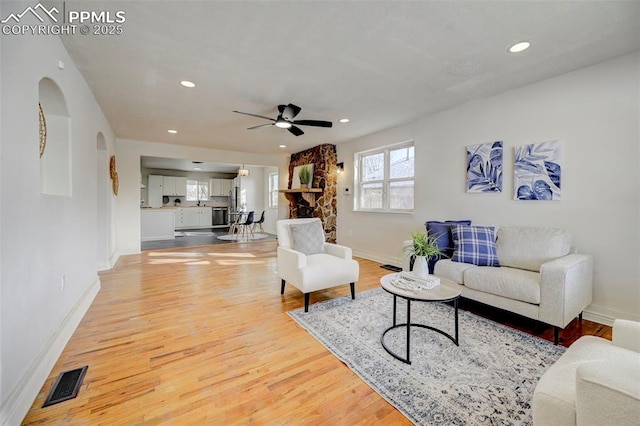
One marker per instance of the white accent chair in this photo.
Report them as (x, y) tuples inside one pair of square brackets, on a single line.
[(596, 382), (329, 265)]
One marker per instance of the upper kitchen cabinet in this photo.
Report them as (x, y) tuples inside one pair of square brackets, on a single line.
[(219, 187), (174, 185)]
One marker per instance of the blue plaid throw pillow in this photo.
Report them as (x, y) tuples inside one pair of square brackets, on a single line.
[(475, 245)]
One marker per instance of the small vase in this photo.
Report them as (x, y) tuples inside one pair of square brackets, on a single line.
[(420, 267), (304, 185)]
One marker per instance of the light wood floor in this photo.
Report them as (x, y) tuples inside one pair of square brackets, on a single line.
[(200, 336)]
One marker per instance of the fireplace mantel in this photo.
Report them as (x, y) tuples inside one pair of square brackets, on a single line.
[(308, 194)]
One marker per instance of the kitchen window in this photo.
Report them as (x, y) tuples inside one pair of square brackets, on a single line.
[(197, 191), (385, 179)]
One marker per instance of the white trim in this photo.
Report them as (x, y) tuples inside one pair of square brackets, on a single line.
[(395, 261), (606, 316), (17, 405), (115, 256)]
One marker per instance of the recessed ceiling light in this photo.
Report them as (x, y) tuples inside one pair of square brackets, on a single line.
[(519, 47), (282, 146), (172, 131), (344, 120), (197, 168), (187, 83)]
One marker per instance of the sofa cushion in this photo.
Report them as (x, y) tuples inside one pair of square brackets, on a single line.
[(529, 248), (308, 238), (516, 284), (475, 245), (453, 271)]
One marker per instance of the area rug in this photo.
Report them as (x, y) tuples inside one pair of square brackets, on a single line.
[(488, 380), (195, 234), (243, 238)]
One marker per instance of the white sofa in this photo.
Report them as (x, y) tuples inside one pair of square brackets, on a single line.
[(596, 382), (539, 277)]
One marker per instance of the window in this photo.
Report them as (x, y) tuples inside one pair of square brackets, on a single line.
[(385, 178), (197, 191), (273, 189)]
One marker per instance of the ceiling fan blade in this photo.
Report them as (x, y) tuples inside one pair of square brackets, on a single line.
[(254, 115), (259, 125), (296, 130), (317, 123)]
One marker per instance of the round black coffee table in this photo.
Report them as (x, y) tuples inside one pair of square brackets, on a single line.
[(447, 291)]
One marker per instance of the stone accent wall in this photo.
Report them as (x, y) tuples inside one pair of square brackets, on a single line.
[(324, 159)]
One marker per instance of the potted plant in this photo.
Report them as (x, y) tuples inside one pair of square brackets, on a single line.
[(305, 176), (423, 247)]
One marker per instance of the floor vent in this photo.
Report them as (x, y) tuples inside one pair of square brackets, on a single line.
[(391, 268), (66, 386)]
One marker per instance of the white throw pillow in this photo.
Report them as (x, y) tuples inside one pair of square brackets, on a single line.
[(307, 238)]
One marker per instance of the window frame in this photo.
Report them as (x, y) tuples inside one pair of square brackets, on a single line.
[(273, 189), (199, 185), (386, 179)]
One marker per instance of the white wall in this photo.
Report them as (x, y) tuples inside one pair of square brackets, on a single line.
[(44, 238), (594, 111), (128, 201)]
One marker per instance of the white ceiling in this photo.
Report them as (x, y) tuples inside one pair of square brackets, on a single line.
[(380, 63)]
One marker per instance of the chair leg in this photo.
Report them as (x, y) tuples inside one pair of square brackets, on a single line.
[(306, 302), (282, 287), (353, 290), (556, 333)]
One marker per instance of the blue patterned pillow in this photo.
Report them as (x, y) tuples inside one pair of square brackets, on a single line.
[(441, 231), (475, 245)]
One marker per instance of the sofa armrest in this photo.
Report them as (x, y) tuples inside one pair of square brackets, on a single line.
[(566, 288), (337, 250), (290, 262), (626, 334), (608, 393)]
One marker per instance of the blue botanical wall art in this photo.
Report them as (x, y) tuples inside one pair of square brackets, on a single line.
[(538, 171), (484, 167)]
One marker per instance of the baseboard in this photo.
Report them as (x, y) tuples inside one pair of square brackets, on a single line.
[(395, 261), (17, 405), (113, 259), (606, 316)]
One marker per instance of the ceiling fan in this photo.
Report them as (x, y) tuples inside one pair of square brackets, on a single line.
[(285, 120)]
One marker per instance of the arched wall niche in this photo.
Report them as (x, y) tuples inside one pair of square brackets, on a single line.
[(55, 149)]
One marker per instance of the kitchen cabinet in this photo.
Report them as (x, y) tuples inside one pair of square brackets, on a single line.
[(154, 191), (193, 217), (156, 224), (219, 187), (174, 186)]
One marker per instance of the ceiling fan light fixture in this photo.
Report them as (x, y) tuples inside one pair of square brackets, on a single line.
[(283, 124)]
